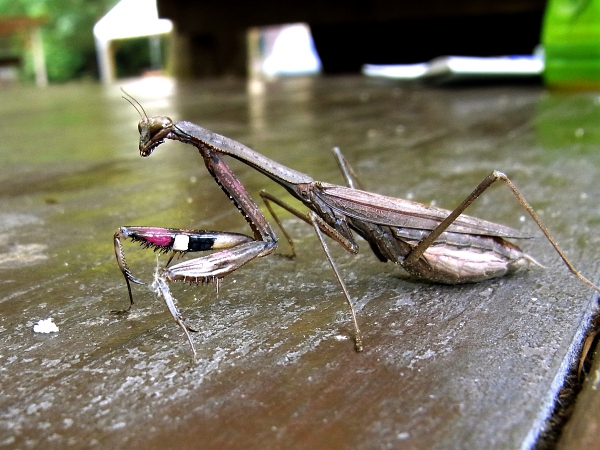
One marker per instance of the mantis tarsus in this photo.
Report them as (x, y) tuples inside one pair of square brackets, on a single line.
[(430, 243)]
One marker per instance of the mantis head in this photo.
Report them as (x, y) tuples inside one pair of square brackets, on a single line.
[(153, 132)]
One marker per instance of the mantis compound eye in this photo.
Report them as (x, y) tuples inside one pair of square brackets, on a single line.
[(157, 125)]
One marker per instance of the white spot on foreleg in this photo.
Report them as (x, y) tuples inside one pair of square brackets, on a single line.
[(181, 243)]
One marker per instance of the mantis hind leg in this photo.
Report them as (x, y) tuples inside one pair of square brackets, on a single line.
[(424, 244)]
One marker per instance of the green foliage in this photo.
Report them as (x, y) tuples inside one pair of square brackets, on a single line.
[(68, 35)]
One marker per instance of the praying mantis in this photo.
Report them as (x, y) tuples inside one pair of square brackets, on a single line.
[(430, 243)]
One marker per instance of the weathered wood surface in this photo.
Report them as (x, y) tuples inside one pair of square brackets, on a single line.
[(473, 366)]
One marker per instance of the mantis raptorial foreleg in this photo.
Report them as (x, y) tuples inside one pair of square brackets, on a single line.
[(177, 241), (236, 249)]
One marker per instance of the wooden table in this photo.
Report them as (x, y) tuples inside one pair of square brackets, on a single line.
[(471, 366)]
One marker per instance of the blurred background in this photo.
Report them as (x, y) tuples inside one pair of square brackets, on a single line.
[(45, 41)]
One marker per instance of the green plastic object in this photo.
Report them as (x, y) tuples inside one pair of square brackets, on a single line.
[(571, 40)]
